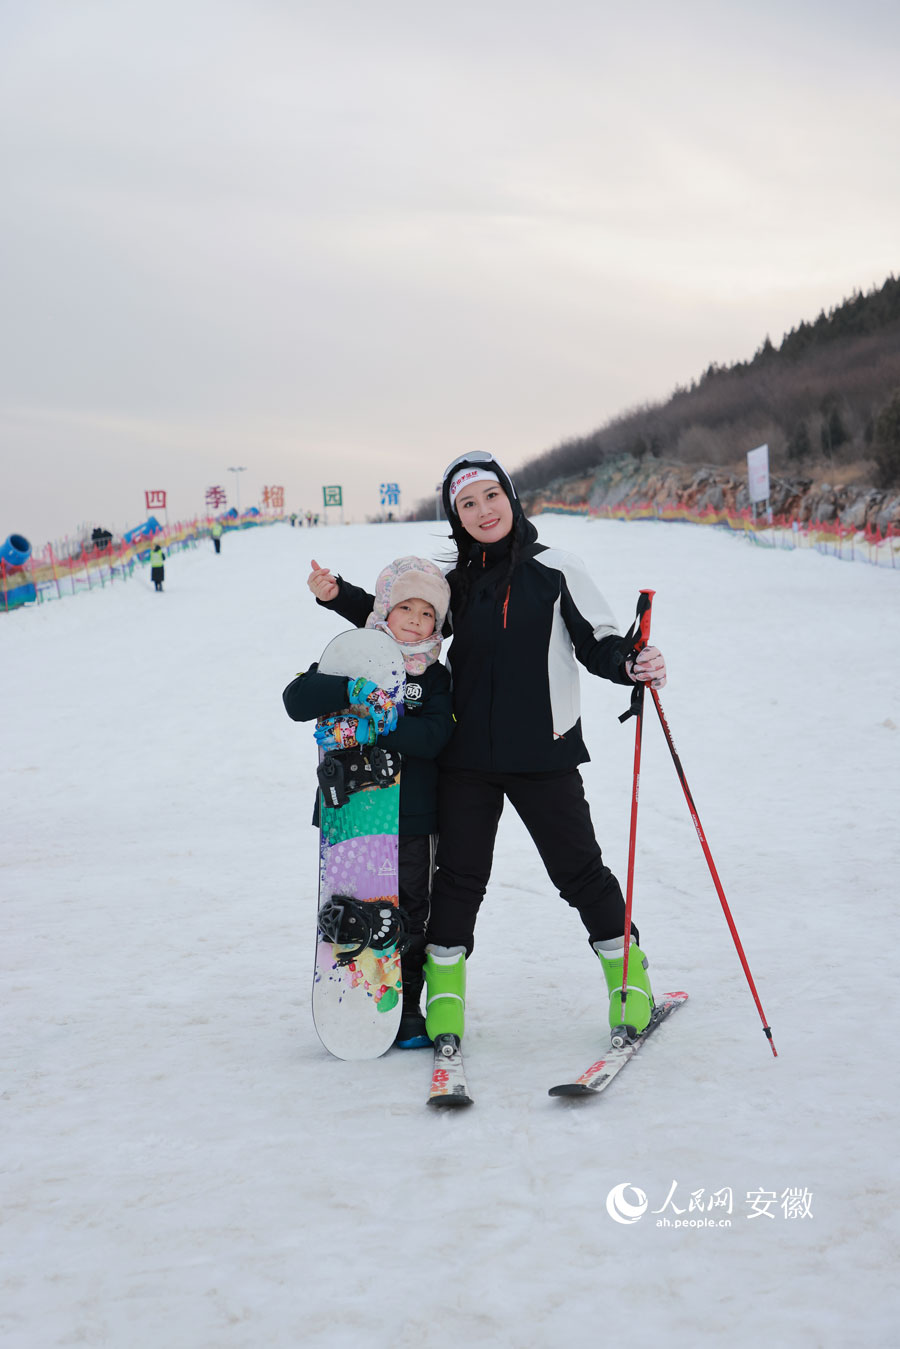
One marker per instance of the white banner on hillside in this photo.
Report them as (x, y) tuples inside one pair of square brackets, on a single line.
[(758, 473)]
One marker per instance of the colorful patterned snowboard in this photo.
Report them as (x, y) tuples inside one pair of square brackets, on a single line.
[(357, 989)]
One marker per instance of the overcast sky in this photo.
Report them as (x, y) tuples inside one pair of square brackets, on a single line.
[(341, 242)]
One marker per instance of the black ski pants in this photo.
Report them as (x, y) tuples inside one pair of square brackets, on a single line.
[(554, 810), (415, 868)]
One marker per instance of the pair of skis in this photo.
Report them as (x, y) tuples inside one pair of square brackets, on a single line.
[(449, 1088), (449, 1081)]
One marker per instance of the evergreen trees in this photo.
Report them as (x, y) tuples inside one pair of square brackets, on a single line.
[(820, 393), (799, 444), (887, 443), (833, 433)]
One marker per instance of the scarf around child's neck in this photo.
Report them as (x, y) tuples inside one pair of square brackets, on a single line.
[(417, 656)]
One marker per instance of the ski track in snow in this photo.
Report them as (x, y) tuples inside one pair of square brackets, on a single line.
[(183, 1164)]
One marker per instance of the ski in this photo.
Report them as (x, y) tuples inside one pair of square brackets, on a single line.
[(448, 1080), (598, 1077)]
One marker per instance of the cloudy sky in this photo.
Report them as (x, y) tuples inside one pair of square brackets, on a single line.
[(341, 241)]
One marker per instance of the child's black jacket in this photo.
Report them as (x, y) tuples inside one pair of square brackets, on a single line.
[(421, 734)]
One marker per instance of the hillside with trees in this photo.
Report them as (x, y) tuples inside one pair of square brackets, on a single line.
[(826, 401)]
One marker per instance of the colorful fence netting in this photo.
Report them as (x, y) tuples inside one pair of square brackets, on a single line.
[(880, 548), (47, 576)]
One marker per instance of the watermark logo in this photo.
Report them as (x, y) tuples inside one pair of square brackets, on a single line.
[(700, 1207), (626, 1203)]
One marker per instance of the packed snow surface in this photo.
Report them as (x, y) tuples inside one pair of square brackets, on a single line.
[(183, 1163)]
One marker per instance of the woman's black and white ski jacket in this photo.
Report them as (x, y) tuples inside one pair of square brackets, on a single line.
[(516, 694)]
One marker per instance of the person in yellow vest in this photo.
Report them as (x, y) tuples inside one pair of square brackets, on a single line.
[(157, 570), (216, 533)]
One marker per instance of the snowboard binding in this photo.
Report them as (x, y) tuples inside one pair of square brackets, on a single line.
[(345, 771), (361, 924)]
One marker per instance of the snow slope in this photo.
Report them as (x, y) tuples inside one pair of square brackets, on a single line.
[(182, 1162)]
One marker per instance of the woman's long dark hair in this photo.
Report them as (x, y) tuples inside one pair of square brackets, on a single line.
[(468, 563)]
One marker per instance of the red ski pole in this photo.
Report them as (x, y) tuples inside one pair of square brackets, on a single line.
[(641, 631), (712, 866)]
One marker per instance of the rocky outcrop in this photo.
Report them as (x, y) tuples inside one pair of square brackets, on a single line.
[(631, 482)]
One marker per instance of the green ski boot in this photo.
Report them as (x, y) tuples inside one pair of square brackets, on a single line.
[(639, 999), (445, 997)]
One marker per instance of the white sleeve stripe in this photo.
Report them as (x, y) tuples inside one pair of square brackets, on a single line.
[(587, 598), (562, 675)]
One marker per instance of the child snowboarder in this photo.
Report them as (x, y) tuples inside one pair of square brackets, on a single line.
[(410, 605)]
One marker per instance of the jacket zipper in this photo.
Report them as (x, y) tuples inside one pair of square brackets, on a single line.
[(506, 597)]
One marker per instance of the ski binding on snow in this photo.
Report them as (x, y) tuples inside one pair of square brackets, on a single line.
[(598, 1077), (448, 1081)]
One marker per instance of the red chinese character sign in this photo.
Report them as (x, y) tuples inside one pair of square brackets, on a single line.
[(273, 498), (156, 501), (216, 498)]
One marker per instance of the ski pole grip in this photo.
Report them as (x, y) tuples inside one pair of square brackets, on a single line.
[(638, 636), (644, 609), (640, 628)]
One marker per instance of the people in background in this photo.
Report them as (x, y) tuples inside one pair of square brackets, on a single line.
[(157, 570)]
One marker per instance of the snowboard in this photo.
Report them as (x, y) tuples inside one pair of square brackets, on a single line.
[(357, 991)]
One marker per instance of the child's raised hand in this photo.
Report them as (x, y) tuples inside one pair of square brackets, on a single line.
[(322, 583)]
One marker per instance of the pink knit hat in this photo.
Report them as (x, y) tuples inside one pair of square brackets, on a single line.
[(409, 578)]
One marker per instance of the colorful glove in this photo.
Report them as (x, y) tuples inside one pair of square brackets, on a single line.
[(384, 713), (384, 719), (344, 732), (348, 732), (360, 691)]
